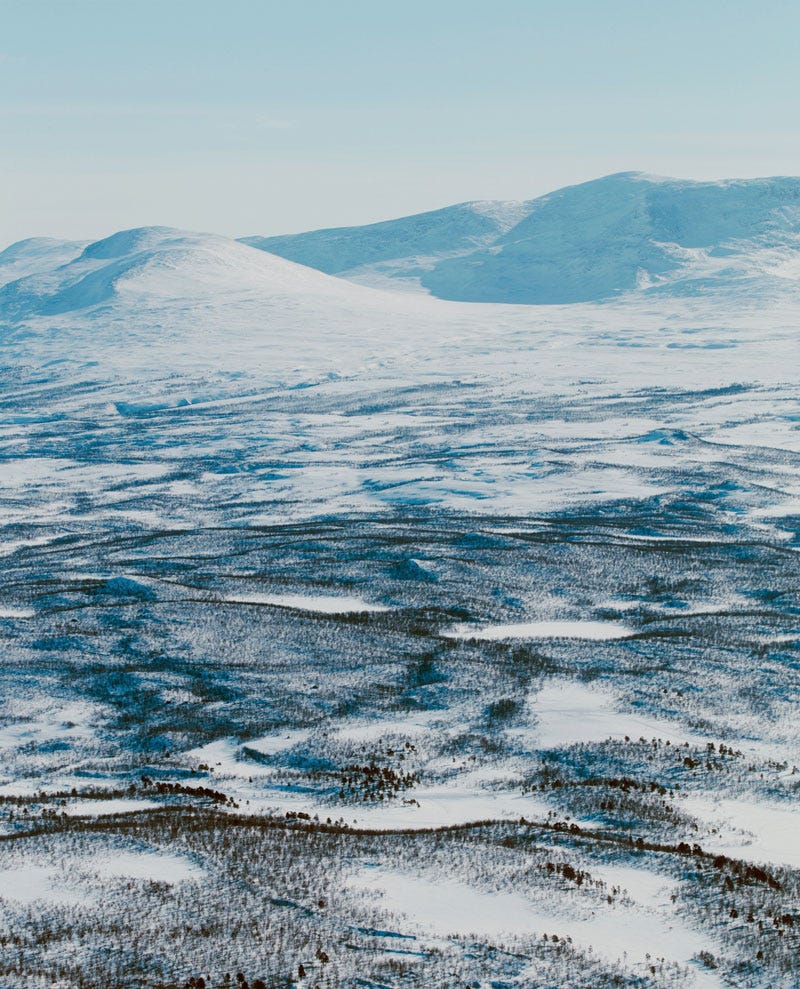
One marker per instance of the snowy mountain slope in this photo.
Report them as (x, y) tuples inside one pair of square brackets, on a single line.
[(584, 243), (629, 231), (398, 249), (27, 257), (158, 262), (141, 296)]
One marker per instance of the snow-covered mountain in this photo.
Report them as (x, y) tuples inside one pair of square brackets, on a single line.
[(27, 257), (153, 296), (606, 238), (152, 263), (397, 252), (584, 243)]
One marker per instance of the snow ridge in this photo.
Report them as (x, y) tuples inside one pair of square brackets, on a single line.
[(628, 232)]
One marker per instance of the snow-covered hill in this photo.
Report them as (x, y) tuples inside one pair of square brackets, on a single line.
[(153, 263), (163, 318), (154, 296), (27, 257), (588, 242), (395, 253)]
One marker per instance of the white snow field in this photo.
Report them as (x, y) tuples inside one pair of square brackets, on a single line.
[(597, 631), (99, 808), (401, 630), (71, 882), (746, 829), (566, 713), (147, 865), (36, 883), (440, 906)]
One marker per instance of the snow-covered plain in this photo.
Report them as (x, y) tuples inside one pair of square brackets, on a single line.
[(72, 883), (597, 631), (441, 906), (566, 713), (751, 830), (325, 604), (31, 883)]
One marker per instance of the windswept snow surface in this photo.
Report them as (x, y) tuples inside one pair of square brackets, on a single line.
[(598, 631), (37, 254), (442, 906), (566, 713)]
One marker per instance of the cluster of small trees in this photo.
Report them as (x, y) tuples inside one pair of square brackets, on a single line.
[(166, 788), (226, 982), (754, 911), (373, 782)]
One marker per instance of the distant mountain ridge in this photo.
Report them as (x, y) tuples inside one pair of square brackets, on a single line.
[(583, 243), (159, 264), (36, 254), (625, 234), (402, 248)]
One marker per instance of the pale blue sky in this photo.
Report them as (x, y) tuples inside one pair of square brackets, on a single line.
[(251, 117)]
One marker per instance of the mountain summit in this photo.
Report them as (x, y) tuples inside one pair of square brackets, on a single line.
[(584, 243), (151, 265)]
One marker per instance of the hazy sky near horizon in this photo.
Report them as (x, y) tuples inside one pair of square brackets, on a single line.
[(248, 117)]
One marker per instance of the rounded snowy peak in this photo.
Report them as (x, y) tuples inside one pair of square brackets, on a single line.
[(133, 241), (164, 265), (35, 254), (33, 247), (632, 231)]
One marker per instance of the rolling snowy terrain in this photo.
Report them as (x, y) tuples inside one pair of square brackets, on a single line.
[(367, 638), (584, 243)]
